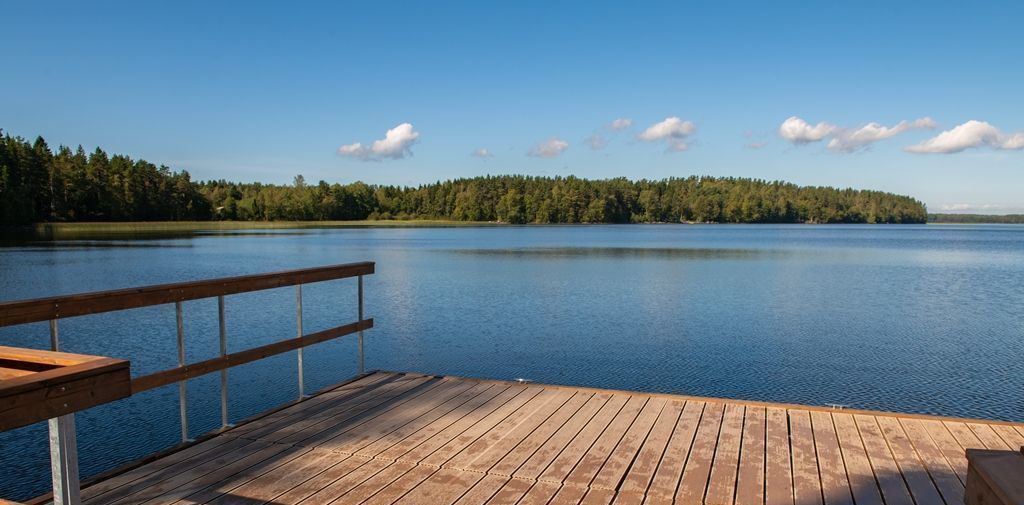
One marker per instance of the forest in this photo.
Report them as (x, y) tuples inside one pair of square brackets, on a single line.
[(38, 184), (977, 218)]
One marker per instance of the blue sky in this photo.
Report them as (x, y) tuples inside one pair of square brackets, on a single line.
[(250, 91)]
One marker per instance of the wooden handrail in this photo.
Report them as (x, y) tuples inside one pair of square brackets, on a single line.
[(178, 374), (46, 309)]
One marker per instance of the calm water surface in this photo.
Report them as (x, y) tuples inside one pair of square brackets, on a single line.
[(909, 318)]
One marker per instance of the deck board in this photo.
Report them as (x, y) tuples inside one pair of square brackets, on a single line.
[(418, 439)]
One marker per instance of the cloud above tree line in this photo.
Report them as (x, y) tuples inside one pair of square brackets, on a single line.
[(676, 133), (396, 144), (846, 140)]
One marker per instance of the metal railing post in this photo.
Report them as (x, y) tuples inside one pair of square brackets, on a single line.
[(63, 449), (182, 389), (298, 317), (223, 373), (361, 363)]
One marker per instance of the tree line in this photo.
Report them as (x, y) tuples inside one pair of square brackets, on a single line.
[(977, 218), (40, 185)]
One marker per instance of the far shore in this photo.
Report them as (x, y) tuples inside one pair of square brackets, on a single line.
[(80, 229)]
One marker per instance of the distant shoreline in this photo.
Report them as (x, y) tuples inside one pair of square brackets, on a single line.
[(976, 218), (80, 229)]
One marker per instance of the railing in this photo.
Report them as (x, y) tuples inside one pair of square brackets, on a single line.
[(63, 453)]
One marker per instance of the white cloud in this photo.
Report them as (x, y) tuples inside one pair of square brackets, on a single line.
[(396, 144), (597, 141), (969, 135), (620, 124), (847, 141), (798, 131), (967, 206), (672, 130), (482, 152), (549, 148)]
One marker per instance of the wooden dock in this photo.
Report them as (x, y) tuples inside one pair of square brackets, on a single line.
[(416, 439)]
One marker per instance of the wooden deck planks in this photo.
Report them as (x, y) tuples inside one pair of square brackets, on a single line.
[(858, 466), (415, 439), (677, 453), (835, 486), (806, 479), (702, 454), (778, 471), (750, 478), (650, 456), (722, 483), (920, 484)]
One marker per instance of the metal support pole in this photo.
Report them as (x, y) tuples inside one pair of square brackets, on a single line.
[(54, 341), (182, 396), (223, 373), (361, 364), (298, 317), (63, 449), (64, 461)]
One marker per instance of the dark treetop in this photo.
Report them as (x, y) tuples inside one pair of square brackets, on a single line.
[(40, 185)]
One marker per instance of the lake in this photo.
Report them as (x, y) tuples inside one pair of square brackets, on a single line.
[(925, 319)]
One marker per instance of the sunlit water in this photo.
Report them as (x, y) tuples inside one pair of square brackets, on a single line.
[(908, 318)]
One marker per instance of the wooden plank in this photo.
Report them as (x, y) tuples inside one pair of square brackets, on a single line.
[(698, 466), (592, 461), (725, 467), (124, 484), (778, 473), (988, 437), (835, 486), (369, 487), (887, 472), (1013, 439), (511, 492), (450, 442), (569, 495), (491, 429), (23, 357), (490, 448), (951, 449), (203, 491), (914, 473), (621, 457), (357, 434), (650, 455), (751, 475), (461, 401), (963, 435), (199, 477), (299, 431), (670, 470), (484, 489), (415, 447), (942, 473), (806, 479), (442, 488), (480, 405), (270, 485), (333, 482), (540, 493), (44, 309), (563, 464), (598, 497), (35, 397), (360, 388), (178, 374), (399, 488), (858, 466), (572, 439), (511, 461)]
